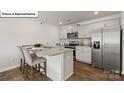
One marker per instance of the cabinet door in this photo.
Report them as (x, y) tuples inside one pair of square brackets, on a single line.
[(84, 55), (70, 29), (84, 31), (68, 64), (78, 54), (63, 33), (81, 31), (74, 28), (88, 30)]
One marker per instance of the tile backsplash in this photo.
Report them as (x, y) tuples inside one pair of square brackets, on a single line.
[(85, 41)]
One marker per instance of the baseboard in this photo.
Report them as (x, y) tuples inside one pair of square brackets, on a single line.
[(69, 76), (9, 68)]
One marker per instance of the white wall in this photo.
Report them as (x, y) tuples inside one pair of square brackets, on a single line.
[(18, 31)]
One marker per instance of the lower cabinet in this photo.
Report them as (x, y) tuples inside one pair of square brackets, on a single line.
[(60, 66), (83, 54), (68, 64)]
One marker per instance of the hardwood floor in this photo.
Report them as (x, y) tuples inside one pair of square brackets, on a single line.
[(85, 72), (82, 72)]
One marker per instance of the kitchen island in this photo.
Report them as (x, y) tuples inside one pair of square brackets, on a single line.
[(59, 62)]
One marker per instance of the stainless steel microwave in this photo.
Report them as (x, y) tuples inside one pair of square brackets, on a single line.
[(73, 35)]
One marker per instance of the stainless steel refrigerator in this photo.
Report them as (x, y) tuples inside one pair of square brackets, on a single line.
[(107, 48)]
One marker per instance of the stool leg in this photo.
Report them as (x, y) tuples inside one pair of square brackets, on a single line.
[(21, 64), (39, 67), (45, 68), (36, 67), (26, 70), (31, 72)]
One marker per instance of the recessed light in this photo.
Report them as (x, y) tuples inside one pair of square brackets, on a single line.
[(96, 12), (60, 23)]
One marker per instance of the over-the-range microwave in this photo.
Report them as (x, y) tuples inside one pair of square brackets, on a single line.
[(73, 35)]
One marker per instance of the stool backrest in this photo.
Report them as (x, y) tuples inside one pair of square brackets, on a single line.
[(28, 46), (28, 58), (21, 52)]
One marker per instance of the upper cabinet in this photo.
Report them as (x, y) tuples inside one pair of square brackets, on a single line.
[(67, 29), (74, 28), (63, 33), (85, 31)]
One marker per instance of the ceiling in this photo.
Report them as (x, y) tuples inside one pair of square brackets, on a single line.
[(70, 17)]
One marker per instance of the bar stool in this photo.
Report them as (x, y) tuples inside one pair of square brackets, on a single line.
[(22, 58), (34, 63)]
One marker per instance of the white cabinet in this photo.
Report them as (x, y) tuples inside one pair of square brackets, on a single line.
[(67, 29), (84, 31), (74, 28), (59, 66), (63, 33), (68, 64), (83, 54)]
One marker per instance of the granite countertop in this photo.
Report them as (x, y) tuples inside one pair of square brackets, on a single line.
[(50, 51)]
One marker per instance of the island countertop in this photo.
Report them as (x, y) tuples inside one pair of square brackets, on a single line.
[(51, 51)]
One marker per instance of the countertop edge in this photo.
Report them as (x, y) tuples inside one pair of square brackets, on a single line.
[(61, 52)]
